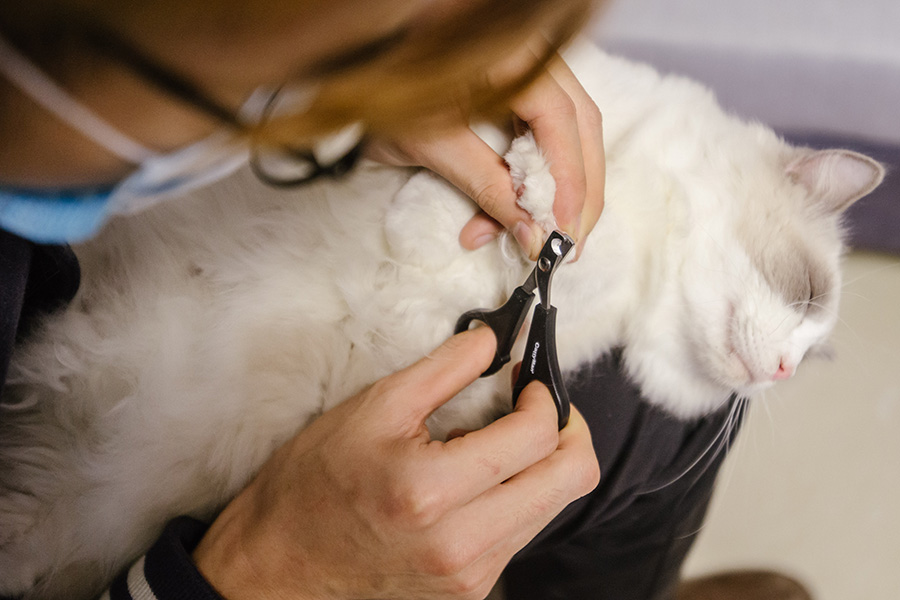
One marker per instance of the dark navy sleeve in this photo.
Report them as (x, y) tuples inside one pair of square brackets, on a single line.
[(15, 262), (166, 572), (34, 280)]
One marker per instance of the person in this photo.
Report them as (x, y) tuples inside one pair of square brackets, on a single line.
[(133, 96)]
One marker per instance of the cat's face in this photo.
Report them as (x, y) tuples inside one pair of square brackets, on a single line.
[(763, 289), (773, 300)]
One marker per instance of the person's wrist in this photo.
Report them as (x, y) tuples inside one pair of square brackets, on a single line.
[(231, 563), (222, 560)]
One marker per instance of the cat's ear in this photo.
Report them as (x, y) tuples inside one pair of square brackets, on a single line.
[(835, 179)]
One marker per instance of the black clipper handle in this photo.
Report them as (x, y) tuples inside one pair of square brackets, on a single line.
[(540, 362), (505, 322)]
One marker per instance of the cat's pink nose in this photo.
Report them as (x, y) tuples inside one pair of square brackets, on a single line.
[(784, 372)]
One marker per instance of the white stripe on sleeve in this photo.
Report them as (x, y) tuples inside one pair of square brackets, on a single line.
[(137, 583)]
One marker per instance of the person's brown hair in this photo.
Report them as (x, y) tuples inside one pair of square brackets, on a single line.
[(449, 66), (446, 68)]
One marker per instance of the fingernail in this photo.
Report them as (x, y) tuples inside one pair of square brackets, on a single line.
[(524, 236), (483, 240), (574, 230), (579, 248)]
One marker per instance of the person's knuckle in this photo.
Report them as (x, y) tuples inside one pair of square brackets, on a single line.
[(411, 151), (469, 584), (424, 508), (564, 106), (412, 504), (444, 558), (471, 349), (489, 194), (576, 186), (582, 467), (587, 475), (382, 388), (458, 344), (591, 116), (546, 439), (547, 502), (544, 436), (410, 507)]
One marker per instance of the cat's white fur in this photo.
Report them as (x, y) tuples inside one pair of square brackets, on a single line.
[(209, 330)]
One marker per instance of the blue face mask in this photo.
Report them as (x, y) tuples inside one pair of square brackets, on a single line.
[(48, 218), (70, 216), (66, 216)]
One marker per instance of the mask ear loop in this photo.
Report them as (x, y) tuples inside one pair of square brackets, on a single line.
[(35, 84), (335, 168)]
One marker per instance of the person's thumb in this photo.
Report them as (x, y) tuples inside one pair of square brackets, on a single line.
[(443, 373)]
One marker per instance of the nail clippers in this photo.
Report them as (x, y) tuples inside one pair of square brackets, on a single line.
[(540, 361)]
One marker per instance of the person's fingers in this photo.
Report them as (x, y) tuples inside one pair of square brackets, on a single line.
[(590, 127), (416, 391), (567, 126), (467, 466), (508, 515), (552, 115), (471, 165), (483, 175), (480, 230), (513, 512)]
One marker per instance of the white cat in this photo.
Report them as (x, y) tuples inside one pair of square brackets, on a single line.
[(208, 330)]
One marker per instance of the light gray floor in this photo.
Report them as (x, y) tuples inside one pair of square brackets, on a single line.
[(813, 485)]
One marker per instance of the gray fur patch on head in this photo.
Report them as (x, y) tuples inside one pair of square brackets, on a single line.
[(791, 271)]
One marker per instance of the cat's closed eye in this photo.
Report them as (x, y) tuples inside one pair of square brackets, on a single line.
[(820, 284), (811, 297)]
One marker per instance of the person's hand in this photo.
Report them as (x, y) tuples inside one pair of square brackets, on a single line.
[(567, 126), (362, 504)]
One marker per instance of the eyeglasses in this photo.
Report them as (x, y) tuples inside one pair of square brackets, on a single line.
[(286, 166), (275, 165)]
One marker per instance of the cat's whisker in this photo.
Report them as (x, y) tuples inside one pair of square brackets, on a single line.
[(825, 308), (836, 314), (893, 265), (763, 400), (848, 326), (777, 327), (724, 482), (718, 245), (742, 403), (817, 296), (720, 440), (734, 418), (848, 294), (841, 319)]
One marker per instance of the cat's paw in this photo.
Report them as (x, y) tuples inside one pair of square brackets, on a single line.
[(423, 222), (532, 180)]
